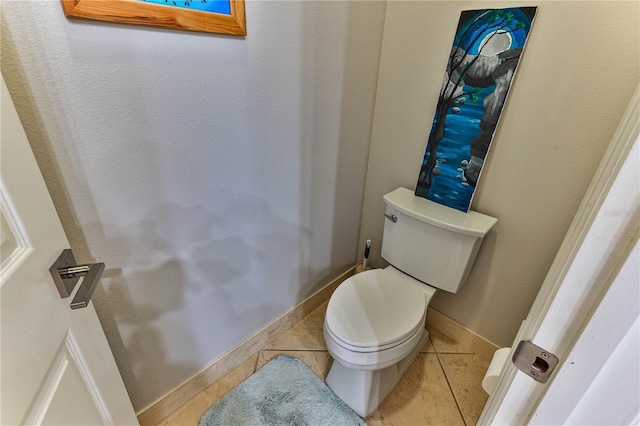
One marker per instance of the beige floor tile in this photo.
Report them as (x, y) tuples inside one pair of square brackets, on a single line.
[(305, 334), (190, 413), (465, 373), (422, 397), (318, 361), (447, 374), (428, 346), (448, 336)]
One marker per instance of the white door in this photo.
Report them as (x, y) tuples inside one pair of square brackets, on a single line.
[(588, 309), (57, 367)]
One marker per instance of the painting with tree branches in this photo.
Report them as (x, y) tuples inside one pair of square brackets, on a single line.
[(483, 61)]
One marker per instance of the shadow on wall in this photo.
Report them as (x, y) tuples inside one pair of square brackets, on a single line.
[(142, 348), (333, 189), (194, 267), (363, 44), (183, 285), (170, 289)]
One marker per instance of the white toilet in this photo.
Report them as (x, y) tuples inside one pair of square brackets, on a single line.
[(375, 321)]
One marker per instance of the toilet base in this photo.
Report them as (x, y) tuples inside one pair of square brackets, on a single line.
[(364, 390)]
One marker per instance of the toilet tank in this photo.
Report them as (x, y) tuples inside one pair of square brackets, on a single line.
[(431, 242)]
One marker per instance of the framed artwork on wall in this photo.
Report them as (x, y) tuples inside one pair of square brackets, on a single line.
[(482, 64), (212, 16)]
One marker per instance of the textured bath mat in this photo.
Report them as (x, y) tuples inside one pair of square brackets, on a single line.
[(283, 392)]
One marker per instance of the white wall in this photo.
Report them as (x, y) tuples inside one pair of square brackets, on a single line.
[(574, 81), (220, 178)]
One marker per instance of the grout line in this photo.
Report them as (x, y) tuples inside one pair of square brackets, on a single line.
[(451, 389), (435, 350), (255, 366)]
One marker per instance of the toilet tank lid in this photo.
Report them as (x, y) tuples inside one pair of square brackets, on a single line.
[(471, 223)]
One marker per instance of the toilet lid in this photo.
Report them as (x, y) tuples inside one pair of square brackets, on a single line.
[(371, 309)]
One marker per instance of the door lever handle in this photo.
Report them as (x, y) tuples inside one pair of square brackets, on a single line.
[(66, 273), (92, 274)]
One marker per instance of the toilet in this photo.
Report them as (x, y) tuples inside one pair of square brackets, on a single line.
[(375, 321)]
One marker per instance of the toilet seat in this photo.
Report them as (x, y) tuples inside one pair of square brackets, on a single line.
[(375, 310), (373, 348), (375, 359)]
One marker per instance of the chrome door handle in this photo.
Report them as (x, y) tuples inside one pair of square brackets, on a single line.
[(66, 273)]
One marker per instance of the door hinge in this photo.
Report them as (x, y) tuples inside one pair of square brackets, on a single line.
[(534, 361)]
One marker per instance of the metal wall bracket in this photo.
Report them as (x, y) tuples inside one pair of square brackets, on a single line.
[(66, 273), (534, 361)]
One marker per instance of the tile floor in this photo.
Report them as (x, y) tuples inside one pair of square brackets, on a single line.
[(441, 387)]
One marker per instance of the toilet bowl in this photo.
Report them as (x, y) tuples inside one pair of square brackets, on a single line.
[(375, 321), (374, 328)]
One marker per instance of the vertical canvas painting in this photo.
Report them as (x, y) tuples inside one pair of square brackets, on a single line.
[(482, 63)]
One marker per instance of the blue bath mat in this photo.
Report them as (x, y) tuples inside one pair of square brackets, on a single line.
[(283, 392)]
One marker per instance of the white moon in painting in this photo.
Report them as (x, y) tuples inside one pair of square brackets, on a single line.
[(495, 43)]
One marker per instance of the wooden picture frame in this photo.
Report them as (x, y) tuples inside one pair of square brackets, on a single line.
[(141, 12)]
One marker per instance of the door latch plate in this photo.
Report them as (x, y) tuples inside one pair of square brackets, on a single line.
[(534, 361), (64, 284)]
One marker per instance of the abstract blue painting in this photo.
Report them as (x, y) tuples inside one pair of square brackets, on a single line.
[(482, 63), (214, 6)]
